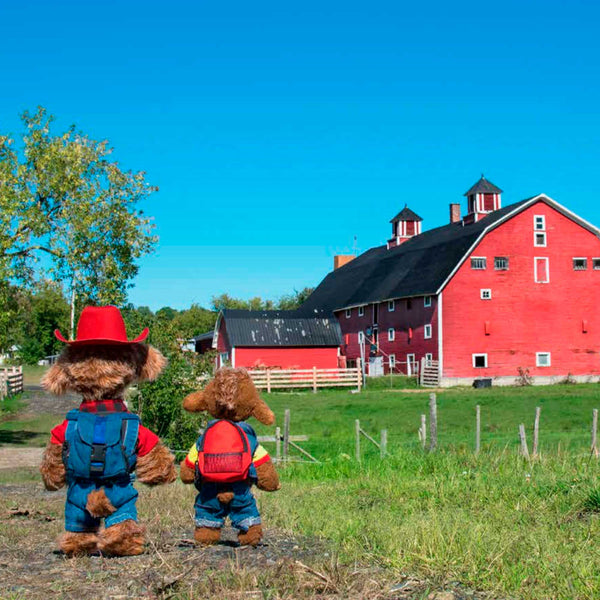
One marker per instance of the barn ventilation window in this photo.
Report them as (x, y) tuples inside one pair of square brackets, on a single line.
[(391, 306), (478, 263), (596, 264), (480, 361), (501, 263), (486, 294), (542, 359), (361, 311), (579, 264), (348, 313), (427, 332), (539, 239), (427, 301)]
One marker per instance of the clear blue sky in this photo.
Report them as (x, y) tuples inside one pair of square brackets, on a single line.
[(277, 131)]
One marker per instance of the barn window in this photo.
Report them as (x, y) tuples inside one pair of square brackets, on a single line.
[(596, 264), (539, 222), (408, 304), (427, 301), (348, 313), (541, 269), (478, 263), (429, 358), (539, 239), (542, 359), (480, 361), (486, 294), (392, 359), (361, 311), (391, 306), (579, 264), (391, 335), (501, 263), (488, 202), (427, 332)]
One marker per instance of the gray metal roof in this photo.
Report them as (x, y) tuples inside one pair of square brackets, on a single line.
[(280, 328)]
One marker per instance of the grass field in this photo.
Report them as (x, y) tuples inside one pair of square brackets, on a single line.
[(493, 522)]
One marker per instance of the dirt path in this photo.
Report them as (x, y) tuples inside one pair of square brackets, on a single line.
[(12, 457)]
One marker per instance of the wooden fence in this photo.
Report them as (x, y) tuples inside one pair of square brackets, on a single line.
[(11, 381), (271, 379)]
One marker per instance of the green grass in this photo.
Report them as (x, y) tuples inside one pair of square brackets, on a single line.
[(31, 430), (32, 374)]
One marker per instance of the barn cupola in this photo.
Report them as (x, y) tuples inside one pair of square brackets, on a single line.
[(483, 198), (405, 224)]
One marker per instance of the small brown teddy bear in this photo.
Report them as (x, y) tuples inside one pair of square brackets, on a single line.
[(227, 459), (99, 446)]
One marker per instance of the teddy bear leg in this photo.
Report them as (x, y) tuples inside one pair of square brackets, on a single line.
[(78, 543), (206, 536), (251, 537), (123, 539)]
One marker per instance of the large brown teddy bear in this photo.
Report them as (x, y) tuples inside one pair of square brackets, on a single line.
[(100, 445), (215, 467)]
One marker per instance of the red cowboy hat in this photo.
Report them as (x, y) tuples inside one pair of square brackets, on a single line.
[(101, 325)]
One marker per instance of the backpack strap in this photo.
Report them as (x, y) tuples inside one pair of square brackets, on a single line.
[(130, 428)]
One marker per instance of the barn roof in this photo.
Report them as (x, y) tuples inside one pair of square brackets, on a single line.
[(279, 328), (420, 266), (406, 215)]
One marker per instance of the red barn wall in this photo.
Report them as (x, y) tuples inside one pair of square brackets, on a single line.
[(402, 320), (287, 358), (525, 317), (223, 344)]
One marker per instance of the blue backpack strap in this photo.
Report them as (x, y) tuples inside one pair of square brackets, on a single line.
[(130, 428)]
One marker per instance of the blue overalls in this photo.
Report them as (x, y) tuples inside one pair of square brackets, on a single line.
[(99, 452), (242, 510)]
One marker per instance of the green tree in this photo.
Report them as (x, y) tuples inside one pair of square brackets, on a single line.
[(194, 321), (62, 196)]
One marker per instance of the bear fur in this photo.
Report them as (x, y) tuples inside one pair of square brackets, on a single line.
[(231, 395)]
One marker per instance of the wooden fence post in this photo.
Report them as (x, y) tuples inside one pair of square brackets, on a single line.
[(314, 380), (477, 429), (383, 445), (523, 438), (268, 381), (536, 431), (357, 441), (595, 432), (358, 374), (278, 443), (286, 435), (423, 430), (432, 423)]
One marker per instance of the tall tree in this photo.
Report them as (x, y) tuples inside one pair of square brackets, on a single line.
[(62, 197)]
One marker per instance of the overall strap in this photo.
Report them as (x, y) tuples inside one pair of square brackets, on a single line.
[(98, 456), (130, 427)]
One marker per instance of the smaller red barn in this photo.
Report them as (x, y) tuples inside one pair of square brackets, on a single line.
[(277, 339)]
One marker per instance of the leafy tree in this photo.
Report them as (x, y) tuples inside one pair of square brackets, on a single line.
[(194, 321), (295, 300), (286, 302), (62, 197)]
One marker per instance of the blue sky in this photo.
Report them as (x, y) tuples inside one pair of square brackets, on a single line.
[(277, 131)]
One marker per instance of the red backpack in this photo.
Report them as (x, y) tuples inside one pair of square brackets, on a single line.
[(224, 453)]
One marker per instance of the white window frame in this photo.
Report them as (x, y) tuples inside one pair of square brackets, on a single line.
[(483, 258), (361, 311), (410, 361), (535, 234), (485, 356), (535, 268), (485, 293), (496, 268), (427, 301), (361, 337), (538, 355), (543, 223), (348, 313), (391, 334), (391, 305), (427, 329), (392, 361), (585, 263), (596, 263), (429, 358)]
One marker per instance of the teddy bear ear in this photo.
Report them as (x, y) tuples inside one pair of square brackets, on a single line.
[(153, 365), (198, 401), (56, 379)]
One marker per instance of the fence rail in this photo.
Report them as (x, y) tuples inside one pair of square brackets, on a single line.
[(11, 381), (271, 379)]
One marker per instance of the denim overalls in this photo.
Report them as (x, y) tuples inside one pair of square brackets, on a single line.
[(99, 452)]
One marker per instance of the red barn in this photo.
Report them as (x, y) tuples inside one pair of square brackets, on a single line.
[(279, 339), (499, 291)]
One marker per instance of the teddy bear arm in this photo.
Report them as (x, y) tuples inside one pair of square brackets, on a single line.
[(157, 467), (186, 473), (52, 467), (268, 480)]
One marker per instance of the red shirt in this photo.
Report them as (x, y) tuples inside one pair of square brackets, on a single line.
[(146, 439)]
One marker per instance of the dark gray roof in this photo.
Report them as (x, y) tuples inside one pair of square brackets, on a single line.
[(483, 186), (406, 215), (418, 267), (280, 328), (204, 336)]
